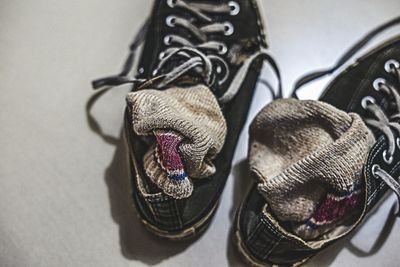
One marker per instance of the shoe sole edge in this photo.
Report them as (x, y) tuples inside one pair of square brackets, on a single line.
[(244, 252)]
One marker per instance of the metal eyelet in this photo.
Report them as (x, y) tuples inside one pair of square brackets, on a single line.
[(161, 55), (141, 70), (222, 49), (387, 160), (167, 40), (171, 3), (378, 83), (390, 64), (170, 21), (228, 28), (373, 170), (235, 8), (155, 72), (366, 101)]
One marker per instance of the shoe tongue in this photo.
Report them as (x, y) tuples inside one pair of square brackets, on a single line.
[(189, 130), (307, 154)]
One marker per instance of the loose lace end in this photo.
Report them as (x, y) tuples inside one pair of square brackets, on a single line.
[(111, 81)]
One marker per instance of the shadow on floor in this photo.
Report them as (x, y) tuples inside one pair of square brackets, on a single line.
[(241, 185), (242, 182), (135, 241)]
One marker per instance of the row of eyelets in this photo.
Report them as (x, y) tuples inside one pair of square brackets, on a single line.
[(228, 29), (389, 65), (377, 85), (170, 21)]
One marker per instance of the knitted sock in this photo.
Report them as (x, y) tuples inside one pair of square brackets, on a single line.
[(309, 158), (164, 165), (189, 131)]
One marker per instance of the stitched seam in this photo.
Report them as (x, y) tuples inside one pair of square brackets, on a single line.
[(264, 245), (272, 248), (178, 215), (261, 33), (375, 192), (156, 212), (281, 236), (173, 214), (378, 146), (260, 247), (156, 198), (382, 184), (251, 236), (271, 228)]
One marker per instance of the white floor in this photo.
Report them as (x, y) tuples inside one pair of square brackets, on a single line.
[(64, 190)]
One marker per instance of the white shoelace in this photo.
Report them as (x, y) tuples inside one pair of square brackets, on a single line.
[(204, 57), (385, 124)]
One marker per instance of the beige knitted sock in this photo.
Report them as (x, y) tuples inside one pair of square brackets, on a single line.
[(309, 158), (190, 131)]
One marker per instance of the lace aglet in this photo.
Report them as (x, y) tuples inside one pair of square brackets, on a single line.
[(111, 81), (99, 83)]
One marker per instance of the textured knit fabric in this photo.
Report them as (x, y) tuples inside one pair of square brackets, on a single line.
[(309, 158), (189, 130)]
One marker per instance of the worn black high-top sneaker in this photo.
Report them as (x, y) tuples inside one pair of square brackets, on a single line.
[(196, 77), (313, 190)]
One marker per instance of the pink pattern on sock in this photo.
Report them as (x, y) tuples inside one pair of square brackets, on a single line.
[(168, 154), (334, 208)]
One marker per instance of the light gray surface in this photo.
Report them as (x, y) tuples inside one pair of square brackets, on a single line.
[(64, 190)]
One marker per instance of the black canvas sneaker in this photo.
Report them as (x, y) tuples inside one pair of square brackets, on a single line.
[(198, 69), (370, 87)]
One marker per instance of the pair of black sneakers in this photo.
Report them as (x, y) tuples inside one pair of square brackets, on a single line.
[(221, 44)]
